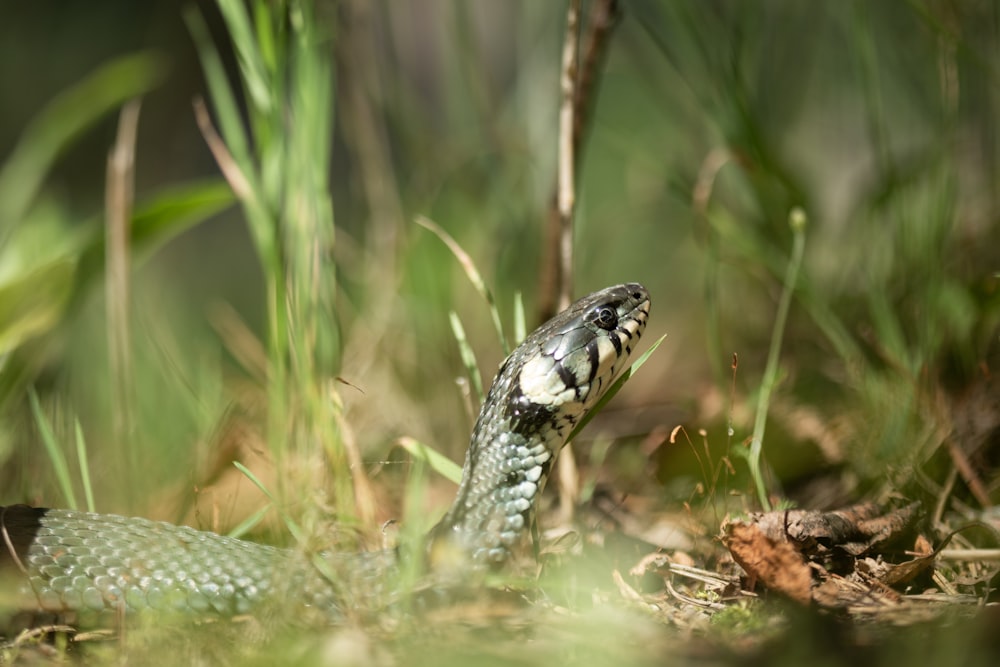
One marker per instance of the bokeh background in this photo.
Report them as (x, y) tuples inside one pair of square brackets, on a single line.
[(711, 122)]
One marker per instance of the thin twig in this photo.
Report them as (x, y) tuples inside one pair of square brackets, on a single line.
[(968, 473), (970, 554), (119, 197), (9, 544), (568, 476), (567, 163), (553, 282)]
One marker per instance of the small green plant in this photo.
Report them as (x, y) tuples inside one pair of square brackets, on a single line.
[(278, 166), (797, 222)]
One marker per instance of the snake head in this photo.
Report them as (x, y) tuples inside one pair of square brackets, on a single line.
[(564, 367), (540, 393)]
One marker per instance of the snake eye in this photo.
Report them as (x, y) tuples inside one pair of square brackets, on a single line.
[(605, 317)]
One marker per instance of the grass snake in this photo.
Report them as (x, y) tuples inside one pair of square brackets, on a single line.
[(69, 561)]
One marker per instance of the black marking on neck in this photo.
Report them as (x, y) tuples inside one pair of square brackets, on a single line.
[(617, 342), (529, 416), (567, 376)]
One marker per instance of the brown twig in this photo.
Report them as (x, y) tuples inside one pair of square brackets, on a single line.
[(119, 194), (9, 544), (568, 476), (554, 280), (566, 196), (968, 473)]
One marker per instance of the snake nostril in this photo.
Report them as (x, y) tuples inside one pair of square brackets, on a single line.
[(638, 292)]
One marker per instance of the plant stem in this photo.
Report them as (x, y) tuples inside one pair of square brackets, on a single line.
[(797, 221)]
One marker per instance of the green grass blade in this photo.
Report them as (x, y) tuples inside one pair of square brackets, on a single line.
[(56, 455), (471, 272), (173, 210), (81, 456), (223, 101), (317, 560), (293, 527), (438, 462), (615, 388), (468, 357), (520, 328), (797, 221), (248, 524), (244, 39), (157, 220)]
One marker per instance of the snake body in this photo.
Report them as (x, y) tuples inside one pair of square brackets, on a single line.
[(80, 561)]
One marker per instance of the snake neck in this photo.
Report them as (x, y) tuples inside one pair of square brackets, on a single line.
[(504, 473), (541, 392)]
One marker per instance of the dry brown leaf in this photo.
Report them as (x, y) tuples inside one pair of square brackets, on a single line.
[(776, 563)]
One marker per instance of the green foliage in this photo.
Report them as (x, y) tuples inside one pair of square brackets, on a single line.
[(62, 121), (52, 258), (713, 122), (279, 171)]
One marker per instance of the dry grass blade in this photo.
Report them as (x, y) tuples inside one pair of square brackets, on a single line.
[(970, 554), (227, 165), (470, 271), (364, 494)]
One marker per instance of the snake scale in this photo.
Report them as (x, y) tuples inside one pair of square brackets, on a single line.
[(69, 561)]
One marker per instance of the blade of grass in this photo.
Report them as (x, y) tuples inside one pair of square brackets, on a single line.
[(33, 303), (413, 532), (238, 157), (223, 101), (293, 527), (615, 388), (84, 462), (56, 455), (317, 560), (248, 524), (520, 328), (468, 356), (471, 272), (173, 210), (797, 221), (245, 42), (438, 462)]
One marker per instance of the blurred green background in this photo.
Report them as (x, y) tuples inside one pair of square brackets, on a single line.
[(258, 330), (712, 120)]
